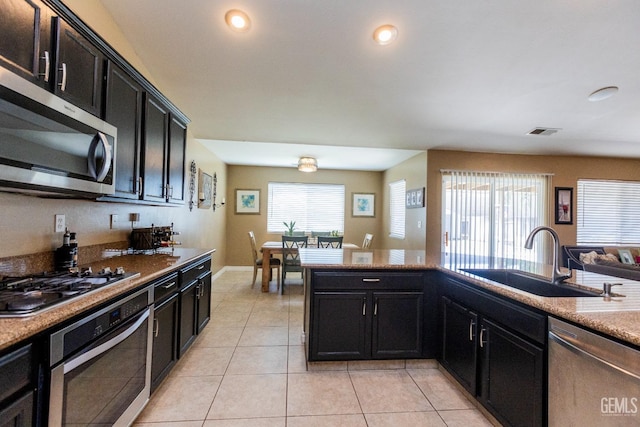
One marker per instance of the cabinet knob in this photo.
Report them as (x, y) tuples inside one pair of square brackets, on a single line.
[(47, 66), (63, 82)]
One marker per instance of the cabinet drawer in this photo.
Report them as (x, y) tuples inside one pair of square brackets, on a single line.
[(165, 287), (515, 317), (16, 370), (195, 270), (369, 279)]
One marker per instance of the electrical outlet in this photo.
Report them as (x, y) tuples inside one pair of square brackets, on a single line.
[(419, 224), (60, 224), (114, 219)]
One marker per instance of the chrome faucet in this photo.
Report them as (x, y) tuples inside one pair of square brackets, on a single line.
[(556, 276)]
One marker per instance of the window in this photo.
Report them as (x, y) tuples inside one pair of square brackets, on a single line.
[(397, 191), (608, 213), (314, 207), (489, 215)]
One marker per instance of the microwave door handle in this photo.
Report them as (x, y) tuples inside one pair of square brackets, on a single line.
[(93, 157)]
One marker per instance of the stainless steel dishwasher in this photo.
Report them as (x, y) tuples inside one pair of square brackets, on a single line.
[(593, 381)]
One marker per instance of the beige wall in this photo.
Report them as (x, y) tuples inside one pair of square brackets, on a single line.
[(566, 171), (251, 177), (414, 171)]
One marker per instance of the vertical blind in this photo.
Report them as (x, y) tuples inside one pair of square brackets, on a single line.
[(397, 192), (314, 207), (488, 215), (608, 212)]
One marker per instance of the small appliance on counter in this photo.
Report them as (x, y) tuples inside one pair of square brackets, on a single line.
[(153, 238)]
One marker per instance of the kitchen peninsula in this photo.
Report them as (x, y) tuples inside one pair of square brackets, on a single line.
[(492, 338)]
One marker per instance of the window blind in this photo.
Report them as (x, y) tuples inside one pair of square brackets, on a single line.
[(397, 192), (608, 212), (314, 207), (488, 215)]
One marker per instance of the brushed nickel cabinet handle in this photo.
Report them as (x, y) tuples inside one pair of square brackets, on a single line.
[(47, 66), (63, 83)]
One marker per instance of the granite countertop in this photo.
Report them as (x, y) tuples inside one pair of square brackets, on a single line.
[(363, 259), (618, 316), (149, 267)]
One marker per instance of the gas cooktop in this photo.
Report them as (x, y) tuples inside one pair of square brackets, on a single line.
[(26, 296)]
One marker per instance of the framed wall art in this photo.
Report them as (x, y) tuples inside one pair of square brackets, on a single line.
[(205, 189), (564, 205), (415, 198), (248, 202), (363, 205)]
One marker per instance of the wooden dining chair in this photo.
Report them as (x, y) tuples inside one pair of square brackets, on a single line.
[(366, 243), (291, 256), (332, 242), (257, 261)]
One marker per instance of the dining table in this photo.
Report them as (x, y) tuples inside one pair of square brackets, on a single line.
[(270, 248)]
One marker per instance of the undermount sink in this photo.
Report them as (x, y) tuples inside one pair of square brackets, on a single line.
[(525, 282)]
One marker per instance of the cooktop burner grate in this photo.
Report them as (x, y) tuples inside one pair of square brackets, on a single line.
[(24, 296)]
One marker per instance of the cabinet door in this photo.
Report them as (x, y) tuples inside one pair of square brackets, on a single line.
[(155, 151), (177, 146), (187, 331), (397, 325), (165, 339), (459, 349), (124, 111), (18, 413), (512, 376), (204, 301), (339, 329), (79, 69), (25, 44)]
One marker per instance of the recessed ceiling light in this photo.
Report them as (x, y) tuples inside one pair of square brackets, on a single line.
[(385, 34), (603, 93), (237, 20)]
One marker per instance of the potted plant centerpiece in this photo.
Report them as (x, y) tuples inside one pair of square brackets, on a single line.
[(290, 227)]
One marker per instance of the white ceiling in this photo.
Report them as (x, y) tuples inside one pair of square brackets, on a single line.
[(467, 75)]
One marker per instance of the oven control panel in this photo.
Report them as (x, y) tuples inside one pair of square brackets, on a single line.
[(95, 325)]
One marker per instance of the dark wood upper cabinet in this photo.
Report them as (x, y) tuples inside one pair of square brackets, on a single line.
[(123, 109), (79, 69), (177, 148), (154, 184), (25, 45)]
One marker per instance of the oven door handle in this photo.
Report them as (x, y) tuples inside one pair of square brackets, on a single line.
[(106, 346)]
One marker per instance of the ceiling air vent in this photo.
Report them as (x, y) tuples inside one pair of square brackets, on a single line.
[(543, 131)]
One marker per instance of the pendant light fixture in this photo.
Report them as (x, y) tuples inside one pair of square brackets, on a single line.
[(307, 164)]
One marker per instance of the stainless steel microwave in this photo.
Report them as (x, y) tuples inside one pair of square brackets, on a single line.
[(50, 146)]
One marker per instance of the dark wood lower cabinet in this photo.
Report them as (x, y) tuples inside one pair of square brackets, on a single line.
[(359, 315), (459, 344), (512, 374), (165, 340), (397, 325), (203, 301), (494, 350), (187, 333), (339, 326)]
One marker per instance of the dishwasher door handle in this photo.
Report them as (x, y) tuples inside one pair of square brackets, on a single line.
[(581, 352)]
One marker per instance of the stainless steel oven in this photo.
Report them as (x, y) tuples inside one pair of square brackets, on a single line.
[(101, 365)]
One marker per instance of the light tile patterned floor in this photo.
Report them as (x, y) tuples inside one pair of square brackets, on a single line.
[(247, 369)]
